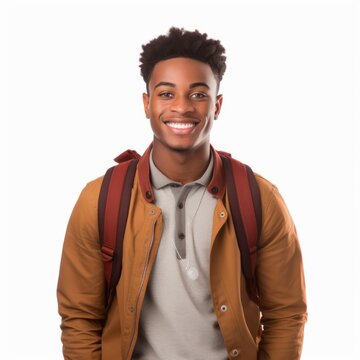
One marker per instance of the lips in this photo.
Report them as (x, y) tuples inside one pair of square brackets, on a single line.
[(180, 125)]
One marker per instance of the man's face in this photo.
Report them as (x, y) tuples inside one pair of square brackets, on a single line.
[(182, 103)]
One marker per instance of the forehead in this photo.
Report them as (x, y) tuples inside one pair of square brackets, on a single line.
[(182, 71)]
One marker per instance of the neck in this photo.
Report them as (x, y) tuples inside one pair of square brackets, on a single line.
[(181, 166)]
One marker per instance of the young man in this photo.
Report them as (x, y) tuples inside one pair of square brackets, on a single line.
[(182, 294)]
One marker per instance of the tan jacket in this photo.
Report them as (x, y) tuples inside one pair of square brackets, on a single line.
[(88, 333)]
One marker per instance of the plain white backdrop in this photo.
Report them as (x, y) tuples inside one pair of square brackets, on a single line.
[(71, 101)]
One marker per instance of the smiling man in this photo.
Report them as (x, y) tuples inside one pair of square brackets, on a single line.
[(182, 104), (182, 293)]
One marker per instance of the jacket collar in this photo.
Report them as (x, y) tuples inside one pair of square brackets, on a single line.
[(216, 186)]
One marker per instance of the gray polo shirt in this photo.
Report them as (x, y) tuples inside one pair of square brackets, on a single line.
[(177, 319)]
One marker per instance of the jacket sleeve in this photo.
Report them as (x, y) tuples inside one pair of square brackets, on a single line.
[(80, 290), (281, 283)]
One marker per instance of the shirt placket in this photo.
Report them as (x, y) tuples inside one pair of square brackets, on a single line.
[(180, 195)]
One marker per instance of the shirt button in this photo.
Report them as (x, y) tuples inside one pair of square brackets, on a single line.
[(222, 214), (132, 308), (181, 236), (180, 205), (152, 212), (234, 353), (223, 308)]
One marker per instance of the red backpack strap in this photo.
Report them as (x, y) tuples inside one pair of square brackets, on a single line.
[(114, 200), (245, 206)]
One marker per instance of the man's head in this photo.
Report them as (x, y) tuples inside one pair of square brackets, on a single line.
[(182, 72), (182, 43)]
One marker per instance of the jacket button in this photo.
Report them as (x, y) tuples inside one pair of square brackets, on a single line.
[(223, 308), (215, 190), (234, 353), (132, 308), (222, 214), (148, 195)]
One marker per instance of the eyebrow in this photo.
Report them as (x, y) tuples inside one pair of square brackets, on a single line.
[(164, 83), (197, 84), (193, 85)]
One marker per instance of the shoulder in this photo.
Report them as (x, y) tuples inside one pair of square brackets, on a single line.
[(86, 207), (90, 193), (275, 214), (267, 190), (92, 188)]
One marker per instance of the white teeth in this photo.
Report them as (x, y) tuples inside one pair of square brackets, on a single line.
[(180, 125)]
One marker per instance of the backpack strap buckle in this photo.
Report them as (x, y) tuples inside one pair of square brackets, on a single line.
[(107, 254)]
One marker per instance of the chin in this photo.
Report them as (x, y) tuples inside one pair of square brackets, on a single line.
[(177, 146)]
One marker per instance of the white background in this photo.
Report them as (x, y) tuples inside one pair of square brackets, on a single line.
[(71, 101)]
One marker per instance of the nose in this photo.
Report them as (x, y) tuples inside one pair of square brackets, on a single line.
[(182, 105)]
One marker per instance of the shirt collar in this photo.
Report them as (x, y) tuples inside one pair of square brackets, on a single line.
[(216, 186)]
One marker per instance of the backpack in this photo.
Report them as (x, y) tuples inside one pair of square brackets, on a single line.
[(114, 200)]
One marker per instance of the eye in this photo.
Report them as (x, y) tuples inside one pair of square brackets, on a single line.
[(198, 95), (166, 94)]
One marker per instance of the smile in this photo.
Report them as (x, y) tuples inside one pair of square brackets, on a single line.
[(178, 125)]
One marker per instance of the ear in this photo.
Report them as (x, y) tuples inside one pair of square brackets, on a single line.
[(146, 102), (219, 100)]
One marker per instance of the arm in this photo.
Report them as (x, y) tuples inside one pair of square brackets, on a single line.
[(81, 286), (281, 283)]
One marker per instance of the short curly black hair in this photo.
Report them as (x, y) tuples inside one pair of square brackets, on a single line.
[(182, 43)]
